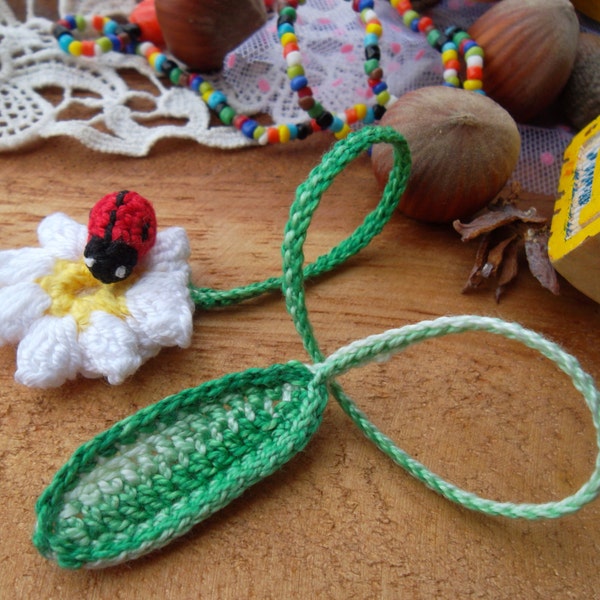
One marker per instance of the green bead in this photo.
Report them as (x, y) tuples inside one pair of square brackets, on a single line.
[(288, 11), (104, 43), (295, 71), (433, 36), (371, 65), (459, 36), (409, 16), (80, 22), (174, 75), (474, 51), (226, 115), (315, 111)]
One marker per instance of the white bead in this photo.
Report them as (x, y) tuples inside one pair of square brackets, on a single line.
[(450, 73), (293, 58), (475, 61)]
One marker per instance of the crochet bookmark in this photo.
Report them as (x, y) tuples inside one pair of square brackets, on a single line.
[(154, 475)]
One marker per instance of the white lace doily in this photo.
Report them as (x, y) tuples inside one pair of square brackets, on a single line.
[(106, 104)]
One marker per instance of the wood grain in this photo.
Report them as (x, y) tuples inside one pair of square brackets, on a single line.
[(339, 521)]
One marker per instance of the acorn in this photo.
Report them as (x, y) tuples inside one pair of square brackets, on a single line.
[(580, 98), (201, 32), (530, 48), (464, 147)]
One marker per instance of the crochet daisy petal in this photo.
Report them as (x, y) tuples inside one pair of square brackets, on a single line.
[(24, 264), (49, 354), (20, 305), (171, 250), (163, 318), (62, 237), (110, 348)]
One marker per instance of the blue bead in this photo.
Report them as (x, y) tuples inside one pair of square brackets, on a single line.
[(380, 87), (285, 28), (370, 116), (298, 82), (160, 59), (365, 4), (70, 19), (115, 41), (248, 128), (293, 131), (216, 98), (449, 46), (196, 83), (371, 40), (469, 44), (414, 25), (64, 41), (110, 27), (336, 125)]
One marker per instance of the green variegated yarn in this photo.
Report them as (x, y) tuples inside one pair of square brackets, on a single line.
[(152, 476)]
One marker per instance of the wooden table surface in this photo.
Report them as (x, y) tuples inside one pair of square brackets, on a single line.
[(340, 520)]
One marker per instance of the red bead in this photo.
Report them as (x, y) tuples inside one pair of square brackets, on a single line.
[(239, 120), (314, 125), (305, 92), (290, 47), (403, 6), (425, 23), (351, 116), (88, 48), (98, 22), (475, 72), (273, 135), (453, 64)]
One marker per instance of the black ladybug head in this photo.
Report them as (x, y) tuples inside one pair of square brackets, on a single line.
[(109, 261)]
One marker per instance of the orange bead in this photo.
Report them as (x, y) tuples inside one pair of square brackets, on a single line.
[(98, 22), (351, 115), (88, 48), (453, 64), (273, 135), (474, 72)]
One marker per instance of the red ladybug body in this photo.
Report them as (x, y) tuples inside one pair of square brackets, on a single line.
[(121, 231)]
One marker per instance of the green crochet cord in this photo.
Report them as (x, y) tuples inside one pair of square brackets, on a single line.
[(154, 475)]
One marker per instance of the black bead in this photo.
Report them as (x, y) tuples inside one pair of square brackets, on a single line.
[(324, 120), (219, 107), (304, 130), (439, 43), (378, 111), (167, 66), (372, 52), (59, 30), (132, 30), (283, 19)]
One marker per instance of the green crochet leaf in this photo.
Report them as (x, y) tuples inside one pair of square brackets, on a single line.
[(154, 475)]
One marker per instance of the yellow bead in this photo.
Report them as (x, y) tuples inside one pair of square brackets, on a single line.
[(449, 55), (75, 48), (361, 111), (152, 58), (374, 28), (473, 84), (284, 134), (343, 132), (394, 3), (383, 97), (205, 88), (288, 38)]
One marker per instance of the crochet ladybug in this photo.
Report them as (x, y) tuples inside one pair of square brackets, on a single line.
[(121, 231)]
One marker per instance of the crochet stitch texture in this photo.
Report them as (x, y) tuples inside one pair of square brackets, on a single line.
[(152, 476), (66, 322)]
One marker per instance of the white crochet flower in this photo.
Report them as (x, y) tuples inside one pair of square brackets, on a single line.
[(68, 323)]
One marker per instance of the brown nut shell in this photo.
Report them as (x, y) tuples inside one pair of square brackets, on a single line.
[(580, 98), (464, 148), (530, 48), (201, 32)]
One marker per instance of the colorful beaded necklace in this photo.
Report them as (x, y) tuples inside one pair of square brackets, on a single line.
[(127, 38)]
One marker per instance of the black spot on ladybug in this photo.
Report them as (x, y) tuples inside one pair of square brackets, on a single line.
[(145, 230)]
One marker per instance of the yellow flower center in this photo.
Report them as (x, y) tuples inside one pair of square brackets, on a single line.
[(75, 291)]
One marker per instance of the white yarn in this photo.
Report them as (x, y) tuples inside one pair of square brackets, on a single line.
[(53, 349), (253, 78)]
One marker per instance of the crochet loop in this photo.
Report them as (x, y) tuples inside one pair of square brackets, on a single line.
[(154, 475)]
